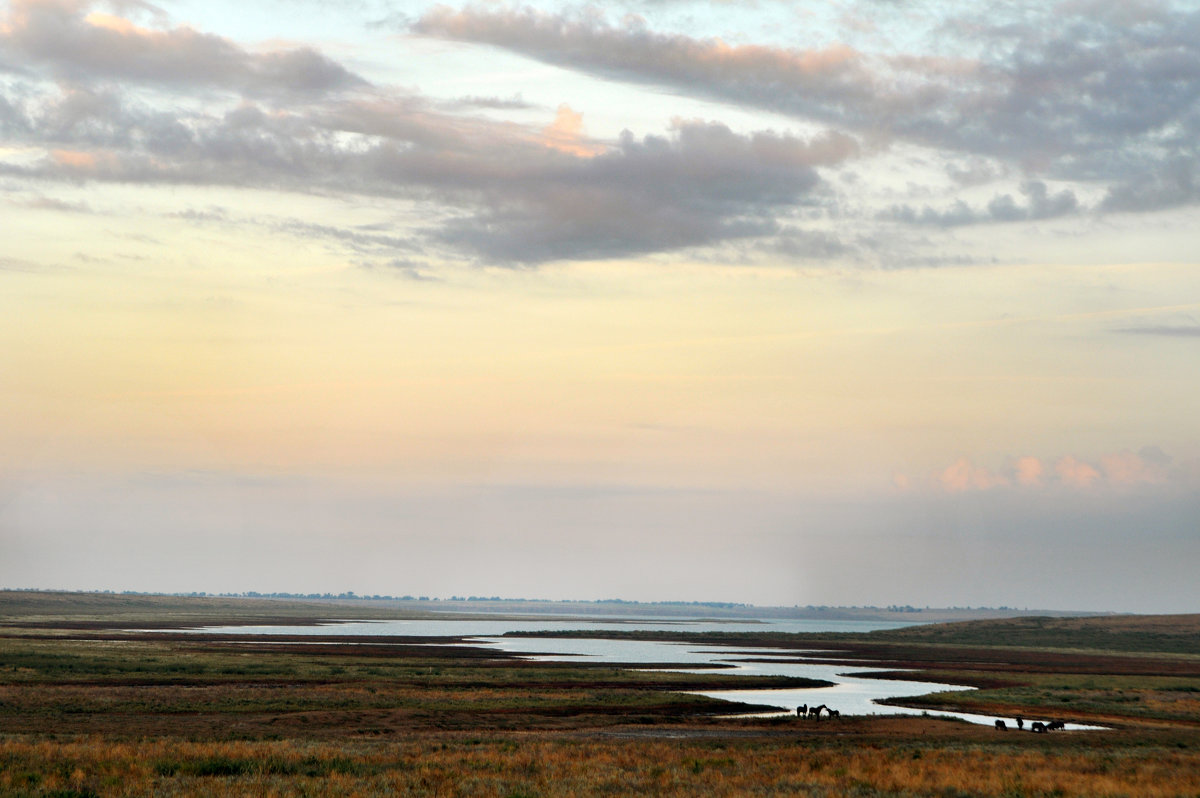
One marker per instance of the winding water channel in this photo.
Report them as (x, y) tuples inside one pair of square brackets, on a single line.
[(853, 691)]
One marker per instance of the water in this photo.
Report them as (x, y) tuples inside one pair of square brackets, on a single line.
[(850, 695), (471, 627)]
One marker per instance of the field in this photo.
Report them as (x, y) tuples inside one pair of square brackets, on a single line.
[(88, 708)]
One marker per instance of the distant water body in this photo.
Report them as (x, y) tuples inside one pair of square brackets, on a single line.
[(474, 627), (853, 692)]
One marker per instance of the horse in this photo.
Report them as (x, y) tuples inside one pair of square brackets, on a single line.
[(802, 710), (815, 712), (1001, 726), (1038, 727)]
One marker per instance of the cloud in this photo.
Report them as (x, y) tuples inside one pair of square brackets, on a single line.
[(565, 134), (1123, 470), (515, 102), (812, 79), (72, 42), (1074, 473), (1171, 186), (507, 192), (1038, 204), (513, 193), (963, 476), (1166, 330), (1069, 91), (1127, 468), (122, 96), (53, 204), (797, 244), (1029, 471), (700, 185), (956, 215)]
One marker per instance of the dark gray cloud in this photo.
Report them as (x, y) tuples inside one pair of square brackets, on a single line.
[(957, 214), (1171, 186), (798, 244), (702, 185), (1038, 203), (1073, 91), (516, 194)]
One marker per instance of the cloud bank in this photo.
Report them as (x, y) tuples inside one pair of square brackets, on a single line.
[(1092, 91), (294, 120), (1149, 467), (1040, 103)]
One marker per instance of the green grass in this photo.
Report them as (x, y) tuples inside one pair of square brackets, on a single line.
[(1074, 695), (1119, 634)]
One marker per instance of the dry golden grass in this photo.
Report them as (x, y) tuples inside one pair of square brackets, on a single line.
[(538, 765)]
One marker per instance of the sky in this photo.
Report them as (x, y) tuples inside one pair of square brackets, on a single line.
[(782, 303)]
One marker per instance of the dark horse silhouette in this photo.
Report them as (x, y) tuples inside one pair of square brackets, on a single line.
[(815, 712), (1055, 724), (833, 713), (1038, 727), (1020, 722), (1001, 725), (802, 710)]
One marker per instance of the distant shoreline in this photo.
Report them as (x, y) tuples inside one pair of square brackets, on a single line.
[(382, 607)]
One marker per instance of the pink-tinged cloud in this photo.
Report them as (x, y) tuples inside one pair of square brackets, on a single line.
[(1075, 473), (1117, 471), (963, 476), (565, 134), (1127, 468), (1029, 471), (73, 159)]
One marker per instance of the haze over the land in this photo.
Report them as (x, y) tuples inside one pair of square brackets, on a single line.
[(837, 303)]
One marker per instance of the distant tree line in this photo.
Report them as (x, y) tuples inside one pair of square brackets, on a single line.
[(351, 595)]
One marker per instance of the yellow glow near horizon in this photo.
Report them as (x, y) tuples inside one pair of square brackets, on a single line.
[(676, 374)]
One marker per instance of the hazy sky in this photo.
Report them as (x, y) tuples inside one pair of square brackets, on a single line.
[(786, 303)]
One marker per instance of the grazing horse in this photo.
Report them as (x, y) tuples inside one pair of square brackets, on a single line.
[(1055, 724), (1001, 725), (815, 712), (1038, 727), (833, 713), (802, 710)]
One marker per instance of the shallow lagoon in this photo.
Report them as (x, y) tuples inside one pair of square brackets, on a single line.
[(853, 693)]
